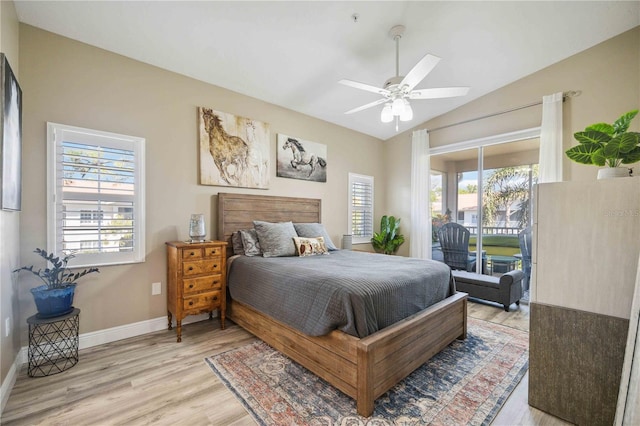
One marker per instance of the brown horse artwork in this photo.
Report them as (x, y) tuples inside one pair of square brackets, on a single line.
[(239, 161)]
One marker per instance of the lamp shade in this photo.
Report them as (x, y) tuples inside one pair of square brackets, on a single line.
[(397, 107), (407, 114), (386, 116)]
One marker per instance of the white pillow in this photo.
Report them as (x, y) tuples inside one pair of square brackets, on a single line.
[(310, 246)]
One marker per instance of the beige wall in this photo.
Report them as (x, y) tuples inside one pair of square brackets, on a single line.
[(9, 221), (608, 75), (72, 83)]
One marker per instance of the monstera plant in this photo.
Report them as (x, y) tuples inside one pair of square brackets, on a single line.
[(609, 145), (389, 239)]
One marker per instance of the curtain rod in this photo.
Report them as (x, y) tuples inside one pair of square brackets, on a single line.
[(565, 95)]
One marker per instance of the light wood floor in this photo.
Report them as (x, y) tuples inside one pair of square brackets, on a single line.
[(151, 379)]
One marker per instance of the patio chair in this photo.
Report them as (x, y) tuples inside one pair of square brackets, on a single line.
[(454, 242), (524, 237)]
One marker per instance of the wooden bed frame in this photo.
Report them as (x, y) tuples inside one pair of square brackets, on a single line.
[(363, 368)]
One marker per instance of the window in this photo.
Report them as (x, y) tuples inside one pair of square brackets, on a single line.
[(361, 207), (95, 194)]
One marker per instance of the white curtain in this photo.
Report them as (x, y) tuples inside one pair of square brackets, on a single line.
[(551, 154), (420, 184)]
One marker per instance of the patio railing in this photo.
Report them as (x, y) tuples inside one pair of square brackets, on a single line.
[(494, 230)]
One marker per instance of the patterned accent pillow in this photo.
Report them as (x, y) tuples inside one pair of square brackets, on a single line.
[(236, 242), (310, 246), (276, 239), (311, 230), (250, 242)]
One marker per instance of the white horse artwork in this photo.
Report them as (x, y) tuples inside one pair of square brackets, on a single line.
[(301, 159)]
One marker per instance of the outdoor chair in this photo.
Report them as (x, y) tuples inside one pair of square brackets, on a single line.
[(524, 237), (454, 243)]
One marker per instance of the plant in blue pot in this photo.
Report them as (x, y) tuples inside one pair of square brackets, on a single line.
[(55, 297)]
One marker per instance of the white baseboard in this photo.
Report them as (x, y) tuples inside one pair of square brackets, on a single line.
[(8, 382), (113, 334), (94, 338)]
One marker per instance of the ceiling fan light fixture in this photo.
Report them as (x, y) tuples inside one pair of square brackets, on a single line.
[(386, 116), (407, 114), (397, 107)]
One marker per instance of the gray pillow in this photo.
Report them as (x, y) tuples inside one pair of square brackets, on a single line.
[(312, 230), (250, 242), (236, 242), (276, 239)]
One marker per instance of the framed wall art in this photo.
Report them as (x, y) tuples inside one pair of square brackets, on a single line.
[(301, 159), (11, 134), (234, 151)]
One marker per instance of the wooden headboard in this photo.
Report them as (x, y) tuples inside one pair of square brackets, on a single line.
[(238, 211)]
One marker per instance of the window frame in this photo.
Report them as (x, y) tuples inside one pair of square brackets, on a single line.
[(353, 178), (56, 134)]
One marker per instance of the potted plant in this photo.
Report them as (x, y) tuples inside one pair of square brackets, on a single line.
[(55, 297), (609, 145), (388, 240)]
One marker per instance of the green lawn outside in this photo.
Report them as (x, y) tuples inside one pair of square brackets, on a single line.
[(499, 245)]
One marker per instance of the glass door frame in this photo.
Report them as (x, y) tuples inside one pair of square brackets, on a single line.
[(479, 144)]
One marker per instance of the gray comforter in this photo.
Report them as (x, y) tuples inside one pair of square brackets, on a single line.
[(355, 292)]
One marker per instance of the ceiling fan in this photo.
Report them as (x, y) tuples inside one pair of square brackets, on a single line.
[(397, 90)]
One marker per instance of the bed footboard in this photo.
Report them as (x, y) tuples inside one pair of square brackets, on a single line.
[(364, 368)]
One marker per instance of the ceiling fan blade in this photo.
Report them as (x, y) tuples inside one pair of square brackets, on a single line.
[(369, 105), (440, 92), (367, 87), (419, 71)]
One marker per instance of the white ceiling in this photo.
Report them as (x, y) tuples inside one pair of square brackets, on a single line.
[(293, 53)]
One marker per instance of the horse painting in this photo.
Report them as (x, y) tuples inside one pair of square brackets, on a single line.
[(240, 161), (302, 163)]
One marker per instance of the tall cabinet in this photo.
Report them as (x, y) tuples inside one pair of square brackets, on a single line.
[(586, 244)]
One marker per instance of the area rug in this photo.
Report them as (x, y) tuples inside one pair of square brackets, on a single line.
[(466, 383)]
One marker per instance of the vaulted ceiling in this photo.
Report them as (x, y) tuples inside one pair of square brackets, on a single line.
[(292, 54)]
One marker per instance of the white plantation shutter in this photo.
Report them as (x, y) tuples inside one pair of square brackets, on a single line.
[(96, 196), (361, 207)]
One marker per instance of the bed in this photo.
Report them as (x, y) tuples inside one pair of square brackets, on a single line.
[(363, 368)]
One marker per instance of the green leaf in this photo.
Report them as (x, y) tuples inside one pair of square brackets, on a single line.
[(601, 127), (632, 156), (621, 125), (582, 153), (592, 137), (598, 158)]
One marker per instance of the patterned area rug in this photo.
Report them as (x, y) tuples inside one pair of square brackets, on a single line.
[(466, 383)]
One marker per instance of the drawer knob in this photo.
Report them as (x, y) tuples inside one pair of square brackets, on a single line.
[(216, 282), (193, 253), (191, 303), (215, 298), (215, 266), (191, 268), (190, 285)]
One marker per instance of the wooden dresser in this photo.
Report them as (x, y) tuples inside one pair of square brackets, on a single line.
[(196, 280)]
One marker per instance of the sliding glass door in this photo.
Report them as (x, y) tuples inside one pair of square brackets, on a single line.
[(487, 190)]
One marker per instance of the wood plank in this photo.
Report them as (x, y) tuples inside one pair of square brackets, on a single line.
[(103, 369)]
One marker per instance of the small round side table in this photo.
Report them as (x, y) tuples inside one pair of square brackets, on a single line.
[(53, 343)]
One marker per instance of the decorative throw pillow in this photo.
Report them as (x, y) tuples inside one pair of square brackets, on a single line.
[(311, 230), (236, 242), (250, 242), (276, 239), (310, 246)]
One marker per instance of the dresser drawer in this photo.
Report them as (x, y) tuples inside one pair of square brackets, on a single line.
[(212, 251), (192, 253), (198, 267), (197, 285), (202, 301)]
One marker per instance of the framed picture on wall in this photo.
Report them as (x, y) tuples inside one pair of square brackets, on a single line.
[(11, 134), (234, 151), (301, 159)]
